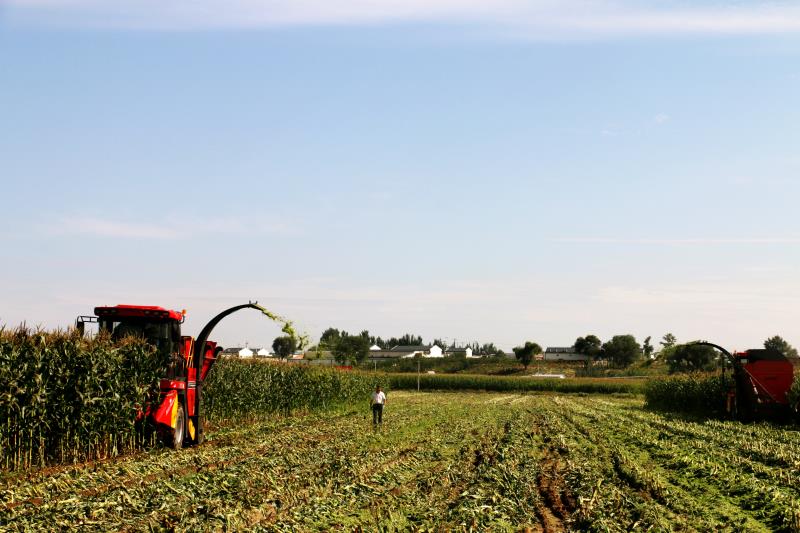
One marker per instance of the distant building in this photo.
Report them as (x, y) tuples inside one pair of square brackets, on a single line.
[(262, 352), (237, 352), (459, 352), (421, 350), (410, 349), (399, 352), (563, 354)]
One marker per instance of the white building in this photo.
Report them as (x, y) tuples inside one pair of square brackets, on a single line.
[(237, 352), (401, 352), (262, 352)]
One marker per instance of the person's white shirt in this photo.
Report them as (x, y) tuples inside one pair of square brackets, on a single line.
[(379, 398)]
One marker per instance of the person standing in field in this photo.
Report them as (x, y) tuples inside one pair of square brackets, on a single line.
[(378, 401)]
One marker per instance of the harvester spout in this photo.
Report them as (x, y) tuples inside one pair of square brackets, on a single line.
[(199, 344), (724, 352), (717, 346), (205, 333), (200, 350)]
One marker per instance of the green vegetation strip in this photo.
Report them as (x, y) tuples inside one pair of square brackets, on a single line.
[(514, 384)]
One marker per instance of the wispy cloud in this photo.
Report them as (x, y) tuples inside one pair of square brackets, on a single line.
[(700, 241), (257, 223), (537, 19), (661, 118), (767, 269), (172, 228), (82, 225), (711, 295)]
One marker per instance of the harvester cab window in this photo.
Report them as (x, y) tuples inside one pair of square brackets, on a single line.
[(165, 336)]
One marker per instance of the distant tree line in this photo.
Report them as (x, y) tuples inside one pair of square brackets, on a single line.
[(354, 349), (620, 351), (624, 350)]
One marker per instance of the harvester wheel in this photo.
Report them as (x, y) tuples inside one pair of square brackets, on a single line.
[(179, 431)]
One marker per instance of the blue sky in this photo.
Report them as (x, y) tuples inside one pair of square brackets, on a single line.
[(492, 171)]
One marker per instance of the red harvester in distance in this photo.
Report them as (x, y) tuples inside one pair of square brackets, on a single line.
[(176, 415), (761, 380)]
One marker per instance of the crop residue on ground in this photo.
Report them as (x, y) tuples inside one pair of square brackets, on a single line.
[(448, 462)]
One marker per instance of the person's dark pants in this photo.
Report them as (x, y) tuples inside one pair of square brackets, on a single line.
[(377, 413)]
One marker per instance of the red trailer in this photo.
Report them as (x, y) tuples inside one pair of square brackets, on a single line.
[(761, 380)]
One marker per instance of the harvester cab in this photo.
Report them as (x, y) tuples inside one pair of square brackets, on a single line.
[(761, 381), (176, 413), (158, 326)]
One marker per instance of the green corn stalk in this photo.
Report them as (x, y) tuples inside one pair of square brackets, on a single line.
[(67, 398)]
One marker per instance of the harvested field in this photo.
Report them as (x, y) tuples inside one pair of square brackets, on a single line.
[(443, 461)]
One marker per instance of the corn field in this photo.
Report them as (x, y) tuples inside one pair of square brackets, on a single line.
[(461, 461), (702, 394), (65, 398), (238, 389)]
